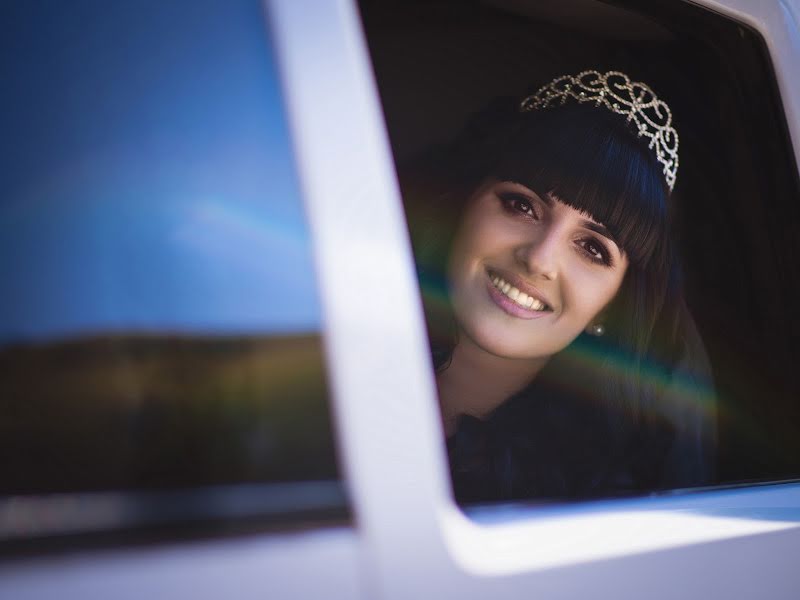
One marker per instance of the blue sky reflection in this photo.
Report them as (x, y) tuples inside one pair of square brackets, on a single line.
[(147, 174)]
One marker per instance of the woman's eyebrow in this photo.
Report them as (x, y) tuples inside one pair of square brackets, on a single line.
[(547, 198), (601, 229)]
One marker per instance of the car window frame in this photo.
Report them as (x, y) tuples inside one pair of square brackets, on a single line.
[(383, 387)]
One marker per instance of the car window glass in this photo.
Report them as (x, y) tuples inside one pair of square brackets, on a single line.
[(160, 325)]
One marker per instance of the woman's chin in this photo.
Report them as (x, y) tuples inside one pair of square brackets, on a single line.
[(508, 344)]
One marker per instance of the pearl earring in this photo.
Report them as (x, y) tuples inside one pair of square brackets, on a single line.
[(597, 330)]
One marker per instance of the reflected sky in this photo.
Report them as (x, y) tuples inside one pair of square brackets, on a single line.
[(146, 172)]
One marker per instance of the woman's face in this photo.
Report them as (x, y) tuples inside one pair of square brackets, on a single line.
[(527, 274)]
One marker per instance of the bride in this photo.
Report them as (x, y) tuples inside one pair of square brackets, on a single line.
[(566, 361)]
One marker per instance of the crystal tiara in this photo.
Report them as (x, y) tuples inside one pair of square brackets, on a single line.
[(633, 100)]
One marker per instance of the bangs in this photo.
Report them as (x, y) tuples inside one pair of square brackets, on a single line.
[(587, 158)]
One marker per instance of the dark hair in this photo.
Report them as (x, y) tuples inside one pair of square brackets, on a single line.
[(588, 158)]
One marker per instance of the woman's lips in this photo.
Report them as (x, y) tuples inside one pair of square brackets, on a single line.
[(513, 301)]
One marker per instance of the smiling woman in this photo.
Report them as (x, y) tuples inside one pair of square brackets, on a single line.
[(542, 262), (567, 363)]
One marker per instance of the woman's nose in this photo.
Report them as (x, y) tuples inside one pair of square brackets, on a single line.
[(540, 257)]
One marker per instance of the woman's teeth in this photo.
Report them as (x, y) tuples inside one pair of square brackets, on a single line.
[(520, 298)]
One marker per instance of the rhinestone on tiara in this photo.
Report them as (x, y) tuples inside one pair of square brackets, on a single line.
[(634, 100)]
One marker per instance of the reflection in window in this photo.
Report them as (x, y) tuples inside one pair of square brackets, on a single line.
[(159, 320)]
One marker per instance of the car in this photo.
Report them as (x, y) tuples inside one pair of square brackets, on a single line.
[(217, 378)]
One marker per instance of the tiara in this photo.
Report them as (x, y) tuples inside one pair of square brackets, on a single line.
[(634, 100)]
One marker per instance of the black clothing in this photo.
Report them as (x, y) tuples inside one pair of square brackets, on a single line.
[(557, 442)]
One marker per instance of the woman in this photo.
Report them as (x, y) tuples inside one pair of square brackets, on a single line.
[(567, 364)]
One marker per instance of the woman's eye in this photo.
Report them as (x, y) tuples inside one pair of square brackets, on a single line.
[(519, 204), (596, 251)]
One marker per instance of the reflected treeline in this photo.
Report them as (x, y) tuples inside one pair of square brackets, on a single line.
[(162, 411)]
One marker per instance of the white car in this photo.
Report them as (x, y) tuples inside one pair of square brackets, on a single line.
[(200, 194)]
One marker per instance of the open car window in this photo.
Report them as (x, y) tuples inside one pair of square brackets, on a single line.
[(439, 65)]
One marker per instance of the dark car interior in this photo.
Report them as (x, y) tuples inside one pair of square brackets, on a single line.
[(736, 203)]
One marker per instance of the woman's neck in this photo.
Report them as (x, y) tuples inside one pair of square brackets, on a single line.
[(477, 382)]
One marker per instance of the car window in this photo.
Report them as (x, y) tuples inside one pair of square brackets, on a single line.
[(724, 389), (161, 358)]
